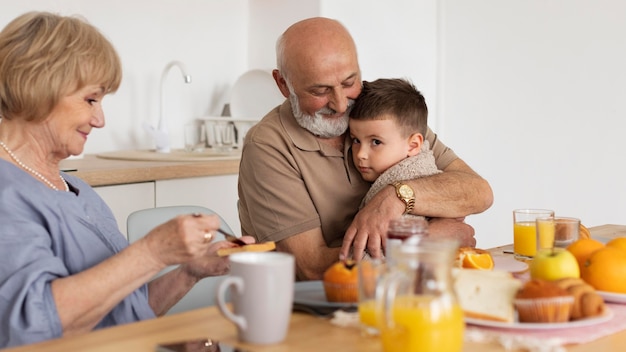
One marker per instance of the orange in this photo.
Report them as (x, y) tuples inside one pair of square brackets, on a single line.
[(605, 270), (618, 242), (481, 261), (582, 249)]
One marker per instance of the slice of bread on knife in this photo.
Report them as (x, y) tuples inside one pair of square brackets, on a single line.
[(254, 247)]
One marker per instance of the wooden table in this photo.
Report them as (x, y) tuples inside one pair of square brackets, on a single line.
[(306, 333)]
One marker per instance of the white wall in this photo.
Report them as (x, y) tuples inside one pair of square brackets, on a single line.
[(533, 99), (395, 38), (529, 93), (268, 20), (209, 37)]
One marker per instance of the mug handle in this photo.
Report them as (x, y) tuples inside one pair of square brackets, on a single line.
[(238, 283)]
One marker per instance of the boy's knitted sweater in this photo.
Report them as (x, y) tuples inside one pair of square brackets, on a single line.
[(420, 165)]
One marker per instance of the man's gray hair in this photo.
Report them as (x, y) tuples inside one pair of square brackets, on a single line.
[(280, 55)]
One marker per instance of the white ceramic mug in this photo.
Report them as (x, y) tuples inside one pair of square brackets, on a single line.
[(262, 297)]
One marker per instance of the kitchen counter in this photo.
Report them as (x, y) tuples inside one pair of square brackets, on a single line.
[(98, 171)]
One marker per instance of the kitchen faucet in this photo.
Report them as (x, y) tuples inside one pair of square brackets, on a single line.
[(161, 134)]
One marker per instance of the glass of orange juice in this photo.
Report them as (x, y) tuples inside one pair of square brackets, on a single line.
[(417, 308), (525, 231)]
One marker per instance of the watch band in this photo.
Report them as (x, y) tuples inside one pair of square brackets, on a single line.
[(410, 204), (406, 194)]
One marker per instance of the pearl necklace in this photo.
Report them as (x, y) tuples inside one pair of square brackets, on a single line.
[(32, 171)]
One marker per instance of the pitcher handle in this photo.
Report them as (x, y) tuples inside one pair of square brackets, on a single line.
[(238, 283), (386, 291)]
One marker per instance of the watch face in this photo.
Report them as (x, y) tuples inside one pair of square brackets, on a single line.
[(406, 191)]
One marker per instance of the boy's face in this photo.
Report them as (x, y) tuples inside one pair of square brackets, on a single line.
[(378, 145)]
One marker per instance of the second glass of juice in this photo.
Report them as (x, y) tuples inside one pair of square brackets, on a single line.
[(370, 272)]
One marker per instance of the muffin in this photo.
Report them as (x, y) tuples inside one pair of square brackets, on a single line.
[(341, 282), (541, 301)]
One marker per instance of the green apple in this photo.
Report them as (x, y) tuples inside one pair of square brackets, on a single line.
[(553, 264)]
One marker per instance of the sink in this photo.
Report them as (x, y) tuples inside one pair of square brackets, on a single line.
[(175, 155)]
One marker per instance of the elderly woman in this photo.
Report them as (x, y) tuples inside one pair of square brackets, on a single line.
[(65, 268)]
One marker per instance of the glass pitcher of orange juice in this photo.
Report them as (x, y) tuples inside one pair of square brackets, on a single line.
[(418, 308)]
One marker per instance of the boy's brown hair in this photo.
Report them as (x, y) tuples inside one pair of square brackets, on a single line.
[(396, 97)]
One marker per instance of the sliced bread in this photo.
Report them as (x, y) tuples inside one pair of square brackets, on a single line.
[(486, 294)]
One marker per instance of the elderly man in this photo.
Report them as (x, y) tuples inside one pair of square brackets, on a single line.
[(297, 183)]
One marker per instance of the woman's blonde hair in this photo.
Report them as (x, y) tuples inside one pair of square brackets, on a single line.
[(44, 57)]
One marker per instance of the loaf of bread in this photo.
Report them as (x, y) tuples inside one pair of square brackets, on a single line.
[(587, 302), (486, 294), (254, 247)]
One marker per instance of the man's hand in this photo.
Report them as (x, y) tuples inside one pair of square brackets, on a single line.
[(452, 228), (369, 227), (456, 192)]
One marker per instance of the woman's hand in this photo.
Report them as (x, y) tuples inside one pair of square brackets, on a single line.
[(181, 239), (188, 240), (210, 264)]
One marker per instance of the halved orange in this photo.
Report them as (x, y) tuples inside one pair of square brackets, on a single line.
[(480, 261)]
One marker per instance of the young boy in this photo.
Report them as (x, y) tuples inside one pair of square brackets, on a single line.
[(387, 127)]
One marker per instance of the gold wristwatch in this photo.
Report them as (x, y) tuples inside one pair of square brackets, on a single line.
[(406, 194)]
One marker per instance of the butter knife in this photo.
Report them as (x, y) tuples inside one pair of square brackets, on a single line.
[(231, 238)]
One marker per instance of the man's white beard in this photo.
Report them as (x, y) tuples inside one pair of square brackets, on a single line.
[(317, 124)]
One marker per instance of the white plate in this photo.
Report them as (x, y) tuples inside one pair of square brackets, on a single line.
[(542, 326), (254, 94), (508, 263), (613, 297), (311, 293)]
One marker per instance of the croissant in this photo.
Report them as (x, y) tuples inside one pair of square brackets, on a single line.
[(587, 302), (583, 232)]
